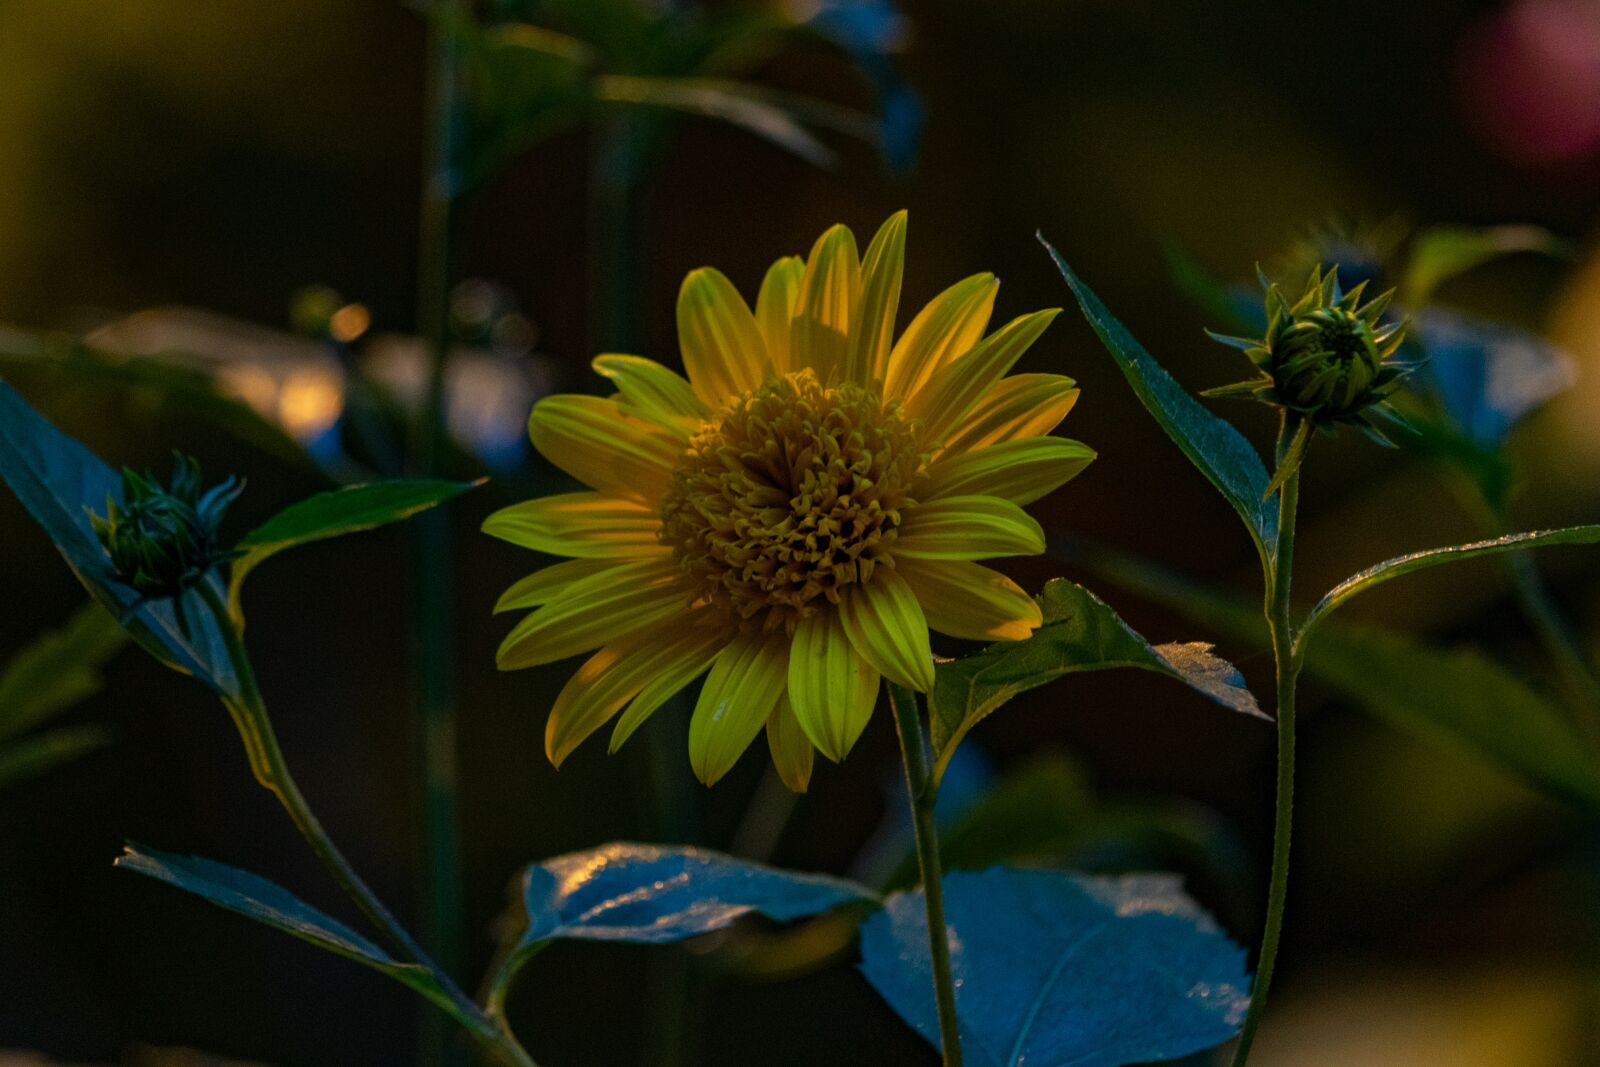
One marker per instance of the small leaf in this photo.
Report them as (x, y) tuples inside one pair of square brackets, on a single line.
[(1213, 445), (256, 898), (1441, 253), (1080, 633), (1293, 456), (33, 756), (1390, 569), (58, 669), (335, 513), (1060, 970), (60, 481)]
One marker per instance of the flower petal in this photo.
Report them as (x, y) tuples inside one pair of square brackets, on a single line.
[(831, 688), (886, 625), (547, 583), (594, 611), (709, 641), (1019, 471), (592, 440), (873, 332), (830, 294), (587, 525), (971, 601), (955, 389), (652, 392), (775, 306), (968, 527), (740, 692), (616, 674), (1023, 405), (792, 753), (948, 327), (722, 349)]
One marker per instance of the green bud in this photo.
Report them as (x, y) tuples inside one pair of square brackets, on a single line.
[(162, 541), (1327, 358)]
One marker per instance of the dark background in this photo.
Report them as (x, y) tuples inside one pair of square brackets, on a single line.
[(222, 155)]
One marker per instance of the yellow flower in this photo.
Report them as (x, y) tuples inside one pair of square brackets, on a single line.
[(795, 515)]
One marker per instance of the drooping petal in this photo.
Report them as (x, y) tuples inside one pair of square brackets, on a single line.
[(722, 348), (885, 624), (830, 295), (831, 687), (592, 440), (873, 332), (617, 673), (968, 527), (710, 640), (775, 307), (586, 525), (1023, 405), (1019, 471), (947, 328), (595, 611), (740, 692), (652, 392), (547, 583), (955, 389), (971, 601), (792, 753)]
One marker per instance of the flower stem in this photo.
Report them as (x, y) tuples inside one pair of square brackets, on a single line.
[(1287, 658), (267, 762), (924, 794)]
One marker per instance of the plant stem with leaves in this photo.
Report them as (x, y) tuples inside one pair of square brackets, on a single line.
[(1287, 658), (923, 793)]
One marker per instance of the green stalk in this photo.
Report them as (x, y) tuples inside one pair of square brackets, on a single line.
[(441, 893), (924, 794), (1287, 658), (271, 770)]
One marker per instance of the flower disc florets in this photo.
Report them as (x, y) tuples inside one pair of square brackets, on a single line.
[(1326, 358), (163, 541), (794, 493)]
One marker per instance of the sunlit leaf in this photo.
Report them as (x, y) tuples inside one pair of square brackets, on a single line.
[(1080, 633), (60, 481), (336, 513), (1441, 253), (57, 669), (256, 898), (32, 756), (1220, 452), (1060, 970)]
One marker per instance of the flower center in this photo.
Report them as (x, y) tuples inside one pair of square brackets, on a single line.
[(792, 495)]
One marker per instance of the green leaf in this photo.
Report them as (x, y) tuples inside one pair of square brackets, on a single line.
[(747, 107), (526, 83), (33, 756), (1220, 452), (1208, 293), (1390, 569), (1457, 696), (60, 481), (1080, 633), (256, 898), (58, 669), (335, 513), (1441, 253)]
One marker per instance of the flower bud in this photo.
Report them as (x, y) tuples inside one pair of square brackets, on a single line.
[(162, 541)]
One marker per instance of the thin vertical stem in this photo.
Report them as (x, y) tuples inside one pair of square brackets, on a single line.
[(1287, 659), (436, 717), (923, 795)]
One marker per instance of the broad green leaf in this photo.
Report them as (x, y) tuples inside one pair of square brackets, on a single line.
[(32, 756), (1220, 452), (1441, 253), (256, 898), (1061, 970), (1459, 696), (335, 513), (1390, 569), (1080, 633), (60, 481), (58, 669)]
